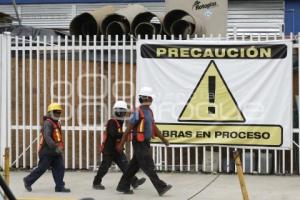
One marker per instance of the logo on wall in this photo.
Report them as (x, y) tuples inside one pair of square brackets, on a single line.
[(198, 5)]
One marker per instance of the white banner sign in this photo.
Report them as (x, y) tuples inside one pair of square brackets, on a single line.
[(219, 92)]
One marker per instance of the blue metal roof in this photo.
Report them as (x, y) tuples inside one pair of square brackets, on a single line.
[(75, 1)]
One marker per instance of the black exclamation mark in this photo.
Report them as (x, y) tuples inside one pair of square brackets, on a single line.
[(211, 93)]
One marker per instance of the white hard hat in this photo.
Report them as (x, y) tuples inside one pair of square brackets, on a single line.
[(146, 91), (120, 104)]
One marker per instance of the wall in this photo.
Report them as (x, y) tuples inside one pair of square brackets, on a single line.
[(74, 1), (292, 16)]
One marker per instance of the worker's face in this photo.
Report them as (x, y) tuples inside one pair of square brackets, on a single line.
[(120, 113), (55, 114), (146, 101)]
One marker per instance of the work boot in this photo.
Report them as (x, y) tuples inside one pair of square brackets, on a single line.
[(138, 182), (27, 186), (62, 190), (99, 186), (164, 190), (128, 191)]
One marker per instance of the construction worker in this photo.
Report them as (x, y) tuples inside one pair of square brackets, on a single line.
[(142, 123), (112, 137), (50, 151)]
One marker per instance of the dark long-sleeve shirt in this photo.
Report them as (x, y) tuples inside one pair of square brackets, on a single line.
[(49, 147), (112, 136)]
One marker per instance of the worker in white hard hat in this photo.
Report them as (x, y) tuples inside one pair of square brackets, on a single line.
[(111, 137), (143, 128), (50, 151)]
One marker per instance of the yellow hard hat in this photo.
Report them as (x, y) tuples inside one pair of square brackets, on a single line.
[(54, 106)]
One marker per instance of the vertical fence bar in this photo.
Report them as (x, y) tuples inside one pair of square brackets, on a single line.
[(51, 66), (251, 160), (45, 72), (244, 164), (160, 158), (109, 76), (173, 159), (80, 102), (275, 161), (9, 99), (211, 158), (73, 103), (38, 94), (227, 159), (124, 67), (155, 156), (166, 158), (17, 99), (132, 96), (283, 161), (58, 69), (30, 102), (116, 67), (102, 87), (87, 102), (188, 159), (291, 161), (66, 101), (95, 103), (235, 167), (197, 158), (45, 93), (259, 161), (3, 103), (181, 159), (220, 159), (131, 72), (267, 161), (204, 159)]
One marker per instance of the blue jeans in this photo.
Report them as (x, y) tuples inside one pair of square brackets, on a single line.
[(58, 170)]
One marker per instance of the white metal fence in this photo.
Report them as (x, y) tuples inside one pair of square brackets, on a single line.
[(86, 75)]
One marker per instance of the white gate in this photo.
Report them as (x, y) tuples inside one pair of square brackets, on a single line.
[(87, 75)]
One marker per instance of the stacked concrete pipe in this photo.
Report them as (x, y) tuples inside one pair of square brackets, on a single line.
[(89, 23)]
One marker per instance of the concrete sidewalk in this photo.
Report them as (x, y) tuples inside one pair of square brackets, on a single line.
[(225, 187)]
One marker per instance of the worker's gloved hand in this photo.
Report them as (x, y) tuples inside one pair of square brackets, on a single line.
[(166, 142), (58, 150)]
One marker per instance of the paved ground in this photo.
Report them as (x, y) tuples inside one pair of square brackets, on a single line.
[(226, 187)]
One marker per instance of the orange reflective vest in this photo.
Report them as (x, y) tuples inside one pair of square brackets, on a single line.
[(56, 135), (104, 135), (140, 129)]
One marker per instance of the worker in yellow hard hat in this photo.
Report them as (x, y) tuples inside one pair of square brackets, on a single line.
[(50, 150)]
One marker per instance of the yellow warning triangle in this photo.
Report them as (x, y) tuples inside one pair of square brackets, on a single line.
[(211, 100)]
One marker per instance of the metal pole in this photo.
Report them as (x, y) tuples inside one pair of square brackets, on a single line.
[(6, 190), (238, 163), (6, 166), (16, 10), (3, 98)]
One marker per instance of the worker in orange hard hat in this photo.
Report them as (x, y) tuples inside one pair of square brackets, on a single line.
[(50, 151)]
